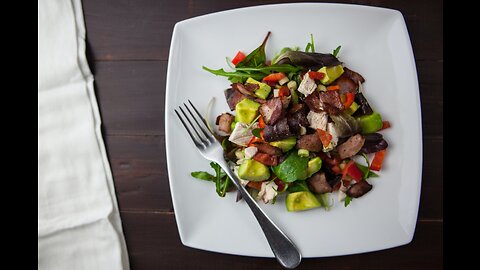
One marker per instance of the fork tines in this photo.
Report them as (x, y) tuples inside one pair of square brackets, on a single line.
[(199, 139)]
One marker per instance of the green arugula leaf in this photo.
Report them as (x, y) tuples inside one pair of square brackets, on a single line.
[(256, 132), (285, 68), (372, 174), (311, 45), (335, 52), (298, 186), (293, 168), (256, 58), (347, 201), (203, 175), (323, 199)]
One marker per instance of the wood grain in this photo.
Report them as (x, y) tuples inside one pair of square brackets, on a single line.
[(136, 30), (128, 44), (154, 243)]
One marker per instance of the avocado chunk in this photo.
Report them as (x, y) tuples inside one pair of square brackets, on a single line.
[(370, 123), (352, 109), (302, 200), (285, 144), (263, 90), (314, 166), (253, 170), (331, 74), (246, 111)]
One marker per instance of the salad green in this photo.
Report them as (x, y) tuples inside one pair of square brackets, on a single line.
[(296, 124)]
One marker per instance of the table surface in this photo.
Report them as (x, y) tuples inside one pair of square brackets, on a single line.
[(127, 47)]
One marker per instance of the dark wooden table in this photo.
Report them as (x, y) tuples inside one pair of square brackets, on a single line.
[(128, 45)]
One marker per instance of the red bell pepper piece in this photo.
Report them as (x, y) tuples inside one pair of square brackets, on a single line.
[(315, 75), (385, 124), (254, 139), (349, 98), (238, 58), (283, 91), (274, 77), (378, 160), (324, 137), (333, 87), (261, 123), (352, 170)]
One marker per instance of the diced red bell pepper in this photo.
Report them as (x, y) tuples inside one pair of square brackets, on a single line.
[(274, 77), (261, 123), (324, 137), (349, 98), (266, 159), (255, 139), (315, 75), (352, 170), (385, 124), (333, 87), (238, 58), (378, 160), (283, 91)]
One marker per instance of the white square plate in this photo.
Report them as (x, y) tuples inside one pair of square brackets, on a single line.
[(376, 44)]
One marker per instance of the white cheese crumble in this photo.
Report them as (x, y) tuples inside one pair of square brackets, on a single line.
[(250, 152), (268, 192)]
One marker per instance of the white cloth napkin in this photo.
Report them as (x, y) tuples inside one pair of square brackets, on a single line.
[(79, 225)]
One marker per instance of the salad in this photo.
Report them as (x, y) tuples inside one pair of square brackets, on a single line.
[(299, 125)]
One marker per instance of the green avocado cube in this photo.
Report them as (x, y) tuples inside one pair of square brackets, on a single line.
[(253, 170), (263, 90), (246, 111)]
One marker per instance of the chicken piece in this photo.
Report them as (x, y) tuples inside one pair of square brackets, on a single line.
[(307, 85), (317, 120)]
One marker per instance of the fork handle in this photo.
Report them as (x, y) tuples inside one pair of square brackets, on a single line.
[(283, 248)]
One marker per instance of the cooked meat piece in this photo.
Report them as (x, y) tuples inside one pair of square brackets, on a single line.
[(296, 107), (224, 122), (356, 77), (285, 101), (268, 149), (332, 177), (233, 97), (330, 102), (313, 102), (251, 87), (277, 132), (359, 189), (242, 89), (318, 183), (272, 111), (266, 159), (297, 119), (346, 84), (310, 142), (351, 146)]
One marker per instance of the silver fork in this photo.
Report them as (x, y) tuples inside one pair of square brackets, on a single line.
[(283, 248)]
